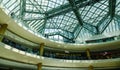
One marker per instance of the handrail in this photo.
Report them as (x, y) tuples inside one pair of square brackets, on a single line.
[(64, 54), (19, 39), (21, 56)]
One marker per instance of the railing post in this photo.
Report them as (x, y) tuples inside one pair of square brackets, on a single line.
[(41, 49), (39, 66), (88, 54), (91, 67), (3, 28)]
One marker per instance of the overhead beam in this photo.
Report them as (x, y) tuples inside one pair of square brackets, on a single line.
[(100, 23), (105, 26), (22, 8), (102, 20), (88, 3), (112, 4), (76, 11), (86, 26), (77, 30), (32, 19), (117, 18), (58, 33), (66, 7), (58, 29), (89, 27), (44, 26), (63, 34), (111, 13), (41, 11), (33, 12)]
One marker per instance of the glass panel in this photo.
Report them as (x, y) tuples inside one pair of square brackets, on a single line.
[(57, 19)]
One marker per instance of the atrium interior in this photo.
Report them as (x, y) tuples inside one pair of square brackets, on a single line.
[(60, 34)]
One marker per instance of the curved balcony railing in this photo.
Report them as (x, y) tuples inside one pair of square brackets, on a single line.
[(19, 39), (66, 55), (21, 56), (83, 56)]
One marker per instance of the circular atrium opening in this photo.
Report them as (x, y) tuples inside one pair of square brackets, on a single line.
[(70, 21)]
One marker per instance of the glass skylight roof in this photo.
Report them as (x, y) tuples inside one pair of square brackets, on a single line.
[(66, 20)]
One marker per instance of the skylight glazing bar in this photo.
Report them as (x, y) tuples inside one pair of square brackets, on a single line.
[(112, 4), (22, 8), (62, 20), (35, 6), (6, 2), (12, 3), (38, 24), (117, 18), (105, 26), (102, 20), (35, 24), (77, 32), (31, 23), (15, 8), (44, 26), (39, 5)]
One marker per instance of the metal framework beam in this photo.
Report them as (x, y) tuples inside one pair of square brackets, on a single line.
[(63, 7), (40, 10), (100, 23), (102, 20), (89, 27), (112, 4), (59, 33), (117, 18), (76, 12), (111, 13), (44, 26), (34, 12), (66, 8), (22, 8), (105, 26), (77, 31), (32, 19)]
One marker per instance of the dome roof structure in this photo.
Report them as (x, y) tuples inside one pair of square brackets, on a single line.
[(68, 21)]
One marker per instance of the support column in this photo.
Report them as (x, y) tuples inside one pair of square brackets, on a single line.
[(39, 66), (91, 67), (41, 49), (88, 54), (3, 28)]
